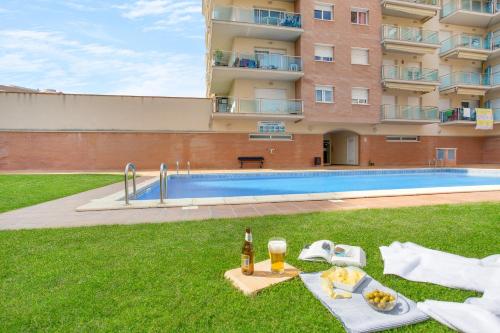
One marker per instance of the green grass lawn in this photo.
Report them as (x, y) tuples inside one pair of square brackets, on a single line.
[(169, 277), (19, 191)]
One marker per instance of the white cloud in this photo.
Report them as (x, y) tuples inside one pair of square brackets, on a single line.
[(174, 14), (44, 59)]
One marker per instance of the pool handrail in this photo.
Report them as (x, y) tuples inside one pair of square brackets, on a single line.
[(189, 167), (129, 167), (163, 182), (177, 167)]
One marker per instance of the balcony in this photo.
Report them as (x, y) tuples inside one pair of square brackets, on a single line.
[(465, 83), (230, 107), (408, 114), (495, 81), (409, 78), (475, 13), (229, 22), (495, 47), (416, 9), (458, 116), (409, 40), (465, 46), (229, 66), (496, 116)]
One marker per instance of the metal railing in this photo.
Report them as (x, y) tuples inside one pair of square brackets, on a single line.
[(409, 74), (189, 167), (409, 112), (163, 182), (496, 114), (473, 42), (129, 167), (410, 34), (259, 106), (270, 17), (423, 2), (458, 114), (478, 6), (464, 78), (266, 61)]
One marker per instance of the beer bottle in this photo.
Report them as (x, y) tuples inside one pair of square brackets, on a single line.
[(247, 255)]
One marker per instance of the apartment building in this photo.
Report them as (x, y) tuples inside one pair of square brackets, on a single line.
[(373, 82)]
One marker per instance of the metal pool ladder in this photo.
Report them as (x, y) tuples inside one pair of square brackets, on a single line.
[(129, 167), (163, 182)]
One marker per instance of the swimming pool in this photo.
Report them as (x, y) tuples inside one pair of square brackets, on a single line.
[(295, 183)]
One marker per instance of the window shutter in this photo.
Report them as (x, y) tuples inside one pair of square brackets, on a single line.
[(359, 56), (360, 93), (323, 51), (325, 8)]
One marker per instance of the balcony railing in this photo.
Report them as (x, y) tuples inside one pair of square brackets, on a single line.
[(458, 114), (410, 34), (423, 2), (464, 78), (409, 74), (409, 113), (496, 39), (269, 17), (477, 6), (271, 61), (495, 79), (473, 42), (496, 114), (259, 106)]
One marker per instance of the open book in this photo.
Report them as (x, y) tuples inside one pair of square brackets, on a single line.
[(335, 254)]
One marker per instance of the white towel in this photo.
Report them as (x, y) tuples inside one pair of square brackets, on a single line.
[(356, 315), (418, 263)]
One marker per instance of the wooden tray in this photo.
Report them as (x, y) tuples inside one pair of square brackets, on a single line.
[(261, 278)]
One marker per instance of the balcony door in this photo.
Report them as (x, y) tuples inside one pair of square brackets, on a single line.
[(271, 100), (271, 59)]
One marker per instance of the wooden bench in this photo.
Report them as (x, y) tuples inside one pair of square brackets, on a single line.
[(251, 159)]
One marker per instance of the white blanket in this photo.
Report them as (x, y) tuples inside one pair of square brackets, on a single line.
[(417, 263)]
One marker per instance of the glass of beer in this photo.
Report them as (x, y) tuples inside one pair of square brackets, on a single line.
[(277, 252)]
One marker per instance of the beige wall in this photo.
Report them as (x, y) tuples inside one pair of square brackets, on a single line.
[(246, 88), (26, 111)]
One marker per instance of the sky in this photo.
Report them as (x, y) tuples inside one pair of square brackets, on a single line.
[(142, 47)]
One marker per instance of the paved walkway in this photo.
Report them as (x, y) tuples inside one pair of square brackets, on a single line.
[(61, 212)]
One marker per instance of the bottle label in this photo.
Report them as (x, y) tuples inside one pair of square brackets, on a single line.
[(245, 261), (248, 237)]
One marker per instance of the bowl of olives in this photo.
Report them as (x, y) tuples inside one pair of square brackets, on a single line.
[(381, 300)]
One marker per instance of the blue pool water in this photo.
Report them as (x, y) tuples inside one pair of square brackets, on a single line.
[(230, 185)]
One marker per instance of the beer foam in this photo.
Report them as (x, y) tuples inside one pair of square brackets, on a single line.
[(277, 246)]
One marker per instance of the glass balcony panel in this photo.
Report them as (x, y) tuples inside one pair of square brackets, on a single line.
[(477, 6), (496, 114), (409, 73), (409, 112), (466, 41), (410, 34), (465, 78), (266, 61), (458, 114), (258, 106), (257, 16)]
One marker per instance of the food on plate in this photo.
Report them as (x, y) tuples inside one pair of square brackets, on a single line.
[(343, 275), (381, 300)]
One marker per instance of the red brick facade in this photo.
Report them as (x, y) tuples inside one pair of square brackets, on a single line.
[(469, 150), (111, 151)]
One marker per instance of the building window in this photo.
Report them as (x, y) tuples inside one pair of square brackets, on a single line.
[(324, 94), (270, 137), (397, 138), (323, 12), (323, 53), (360, 95), (359, 56), (359, 16)]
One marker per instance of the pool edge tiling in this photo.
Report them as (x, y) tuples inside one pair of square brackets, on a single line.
[(116, 201)]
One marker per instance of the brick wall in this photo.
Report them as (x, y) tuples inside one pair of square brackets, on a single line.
[(491, 150), (111, 151), (381, 152)]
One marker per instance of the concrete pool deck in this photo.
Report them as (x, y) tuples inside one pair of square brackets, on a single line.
[(62, 213)]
